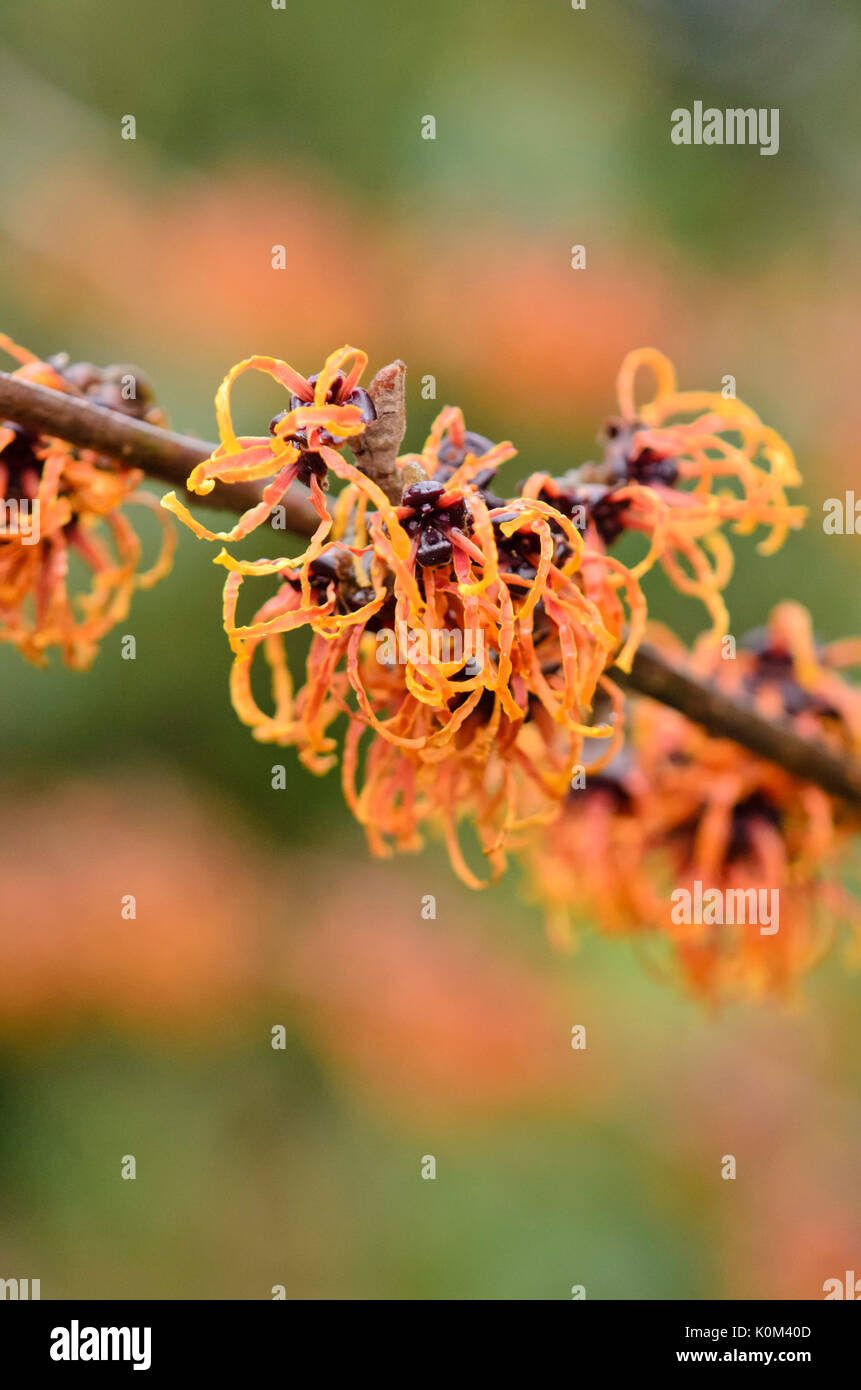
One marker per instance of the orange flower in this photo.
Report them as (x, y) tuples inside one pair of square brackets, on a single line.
[(57, 502), (468, 634), (325, 410), (457, 629), (678, 469), (592, 864), (692, 810)]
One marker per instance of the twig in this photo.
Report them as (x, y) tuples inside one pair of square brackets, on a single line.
[(723, 717), (160, 453), (171, 457)]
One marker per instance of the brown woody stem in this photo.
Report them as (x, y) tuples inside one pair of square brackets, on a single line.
[(160, 453), (723, 717), (171, 457)]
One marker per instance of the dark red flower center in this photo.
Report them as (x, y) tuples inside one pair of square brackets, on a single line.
[(428, 512), (19, 457), (334, 396)]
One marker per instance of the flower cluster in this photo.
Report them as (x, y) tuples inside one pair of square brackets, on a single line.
[(679, 808), (679, 469), (58, 505), (466, 637)]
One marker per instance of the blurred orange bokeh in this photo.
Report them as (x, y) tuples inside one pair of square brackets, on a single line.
[(499, 317)]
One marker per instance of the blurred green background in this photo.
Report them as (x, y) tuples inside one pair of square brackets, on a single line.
[(256, 1167)]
